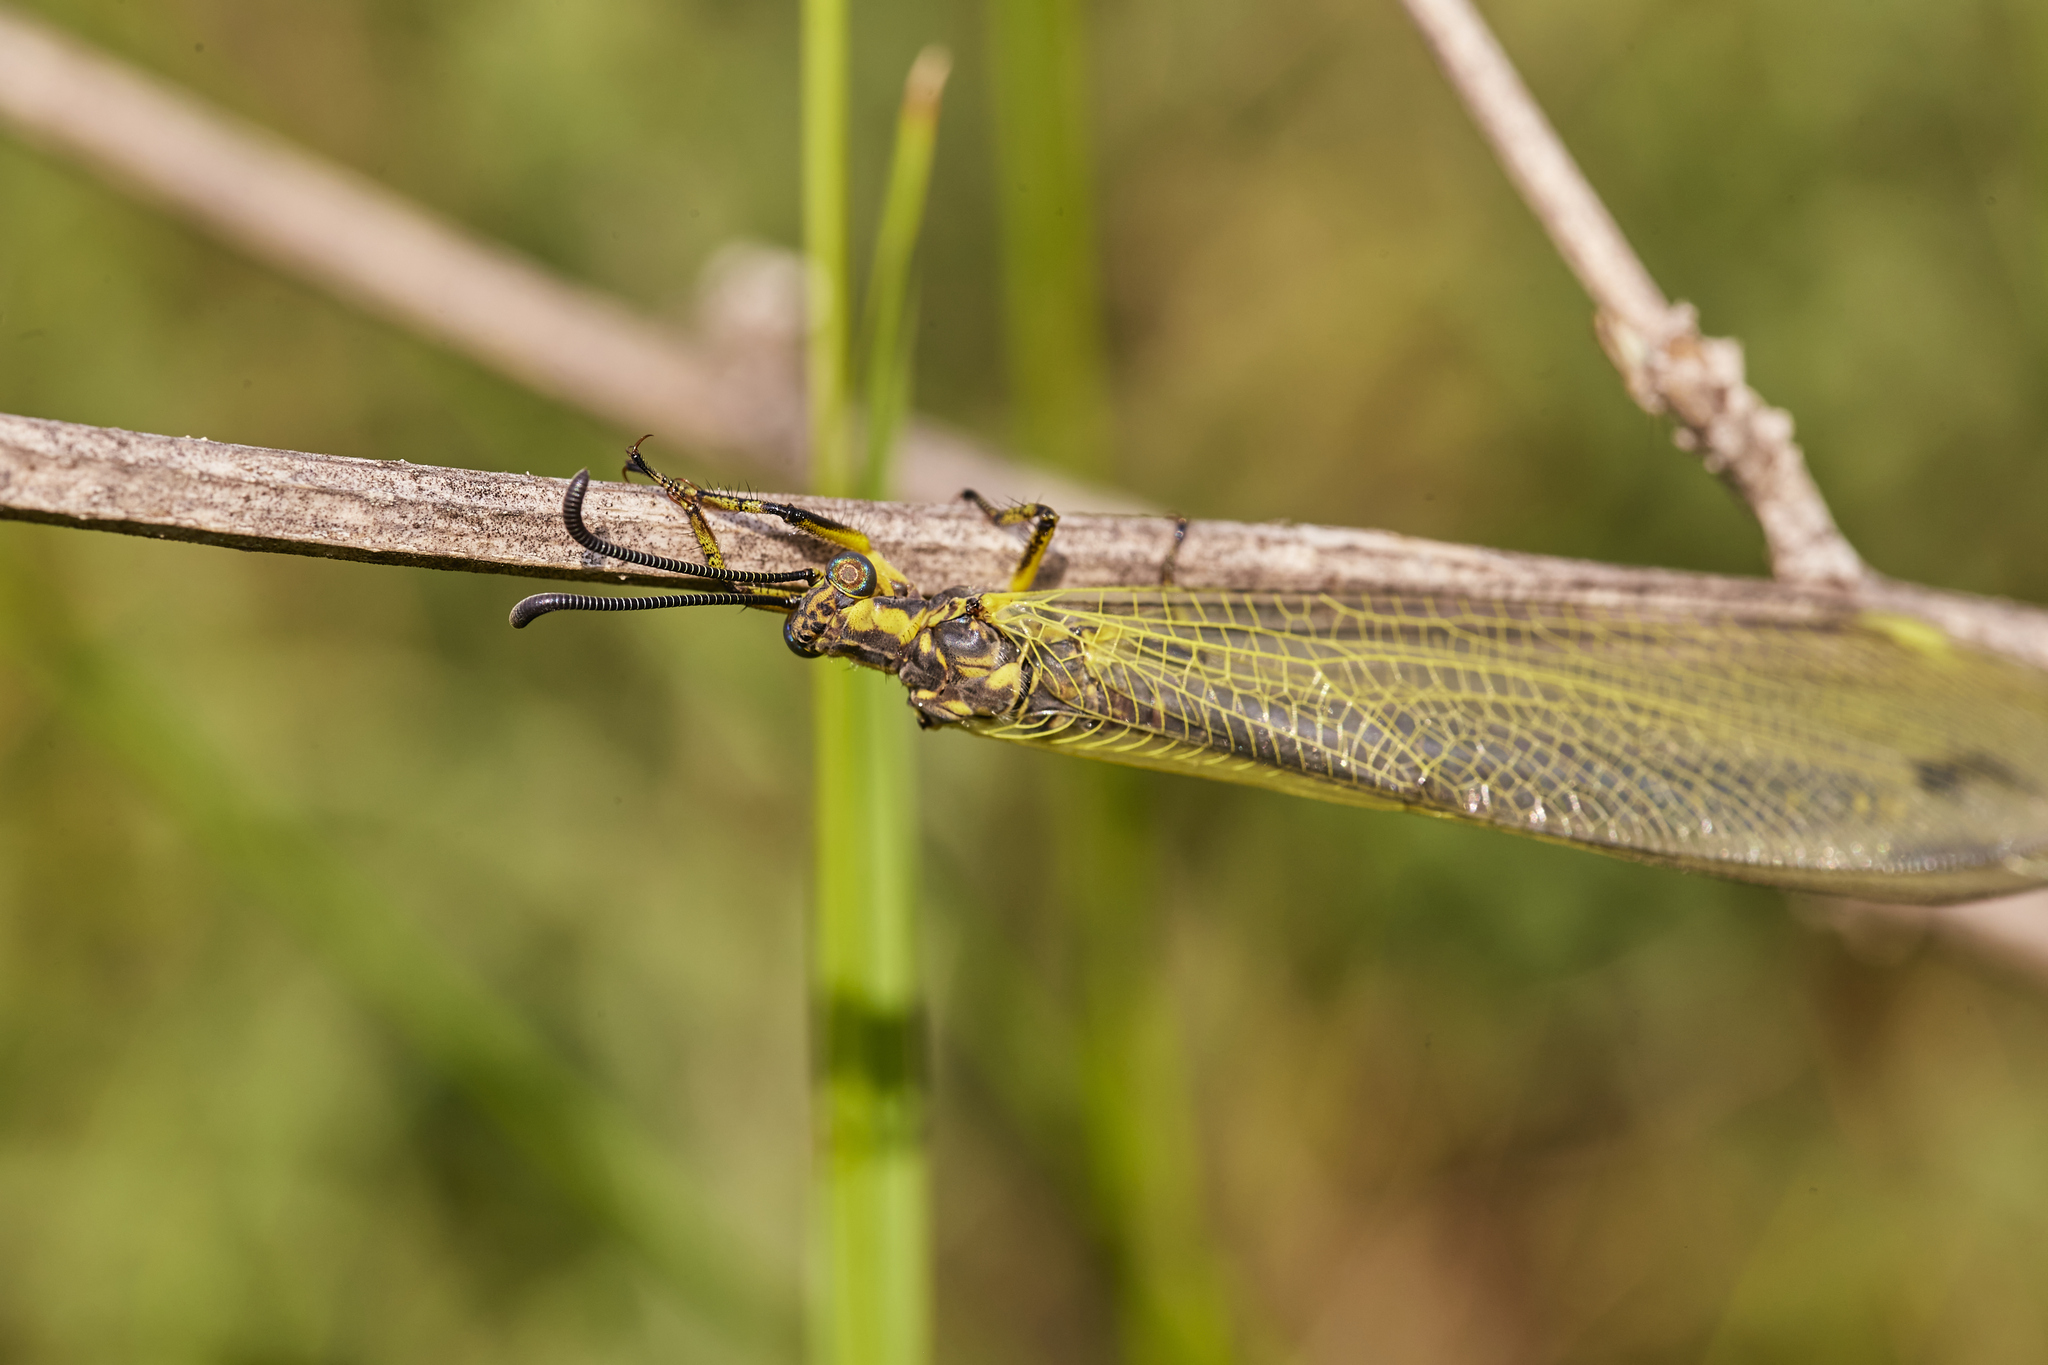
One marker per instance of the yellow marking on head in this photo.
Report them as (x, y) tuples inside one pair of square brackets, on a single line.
[(1927, 640)]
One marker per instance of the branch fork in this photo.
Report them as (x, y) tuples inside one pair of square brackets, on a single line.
[(1699, 381)]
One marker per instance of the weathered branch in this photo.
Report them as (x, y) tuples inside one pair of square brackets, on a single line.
[(391, 512), (1668, 366)]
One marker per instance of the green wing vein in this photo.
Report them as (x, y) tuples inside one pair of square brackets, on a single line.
[(1829, 754)]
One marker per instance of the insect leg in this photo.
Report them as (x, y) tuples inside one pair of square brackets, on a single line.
[(693, 499), (1043, 521), (684, 494)]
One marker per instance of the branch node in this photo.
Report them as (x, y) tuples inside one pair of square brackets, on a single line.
[(1702, 383), (1665, 362)]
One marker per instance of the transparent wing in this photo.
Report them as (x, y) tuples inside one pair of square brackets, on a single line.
[(1857, 755)]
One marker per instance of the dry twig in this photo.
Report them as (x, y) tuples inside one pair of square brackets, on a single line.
[(1668, 366), (392, 512)]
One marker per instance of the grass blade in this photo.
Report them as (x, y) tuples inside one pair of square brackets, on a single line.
[(871, 1241), (891, 310)]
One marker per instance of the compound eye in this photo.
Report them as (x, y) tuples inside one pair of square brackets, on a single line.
[(852, 574)]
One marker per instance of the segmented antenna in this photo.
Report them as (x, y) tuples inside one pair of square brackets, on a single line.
[(532, 608)]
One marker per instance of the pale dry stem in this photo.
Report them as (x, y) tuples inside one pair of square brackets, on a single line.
[(1668, 366)]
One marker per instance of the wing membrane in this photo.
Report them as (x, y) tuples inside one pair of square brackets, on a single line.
[(1835, 754)]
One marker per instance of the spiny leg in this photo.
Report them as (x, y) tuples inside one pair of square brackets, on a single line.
[(693, 498), (1043, 522), (684, 494)]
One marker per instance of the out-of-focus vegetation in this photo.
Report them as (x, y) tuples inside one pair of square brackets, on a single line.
[(1447, 1096)]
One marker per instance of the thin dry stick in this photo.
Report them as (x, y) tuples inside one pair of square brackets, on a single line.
[(1667, 365), (736, 391), (392, 512)]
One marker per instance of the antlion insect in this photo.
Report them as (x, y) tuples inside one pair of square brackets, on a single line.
[(1858, 754)]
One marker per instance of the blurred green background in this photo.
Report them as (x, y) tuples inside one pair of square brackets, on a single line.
[(1412, 1092)]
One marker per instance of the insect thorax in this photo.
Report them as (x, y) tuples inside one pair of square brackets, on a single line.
[(959, 666)]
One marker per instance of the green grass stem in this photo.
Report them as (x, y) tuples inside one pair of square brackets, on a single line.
[(871, 1241), (890, 321), (1052, 315)]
